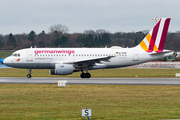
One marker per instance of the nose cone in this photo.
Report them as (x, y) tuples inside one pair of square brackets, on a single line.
[(6, 61), (1, 61)]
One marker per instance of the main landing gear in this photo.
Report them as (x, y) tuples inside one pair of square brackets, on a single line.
[(29, 75), (85, 75)]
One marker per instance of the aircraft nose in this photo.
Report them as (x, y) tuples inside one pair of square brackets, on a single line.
[(5, 61)]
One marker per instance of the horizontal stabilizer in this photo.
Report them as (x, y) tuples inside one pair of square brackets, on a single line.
[(164, 52)]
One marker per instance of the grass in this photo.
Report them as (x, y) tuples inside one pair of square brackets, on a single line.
[(5, 54), (110, 73), (109, 102)]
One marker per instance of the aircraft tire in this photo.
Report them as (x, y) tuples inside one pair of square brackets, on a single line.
[(29, 76), (83, 75), (88, 75)]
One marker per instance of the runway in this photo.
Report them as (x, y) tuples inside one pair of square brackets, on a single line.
[(93, 81)]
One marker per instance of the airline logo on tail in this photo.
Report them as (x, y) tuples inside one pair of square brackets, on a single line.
[(155, 39)]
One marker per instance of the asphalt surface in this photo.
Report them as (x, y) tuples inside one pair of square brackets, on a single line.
[(92, 81)]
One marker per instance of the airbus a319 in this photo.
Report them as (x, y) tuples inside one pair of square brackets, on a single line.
[(65, 61)]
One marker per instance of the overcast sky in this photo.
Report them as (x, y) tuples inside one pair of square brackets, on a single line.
[(22, 16)]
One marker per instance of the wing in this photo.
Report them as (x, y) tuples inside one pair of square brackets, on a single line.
[(90, 62)]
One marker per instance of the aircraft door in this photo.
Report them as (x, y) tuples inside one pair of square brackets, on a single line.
[(29, 56), (135, 55)]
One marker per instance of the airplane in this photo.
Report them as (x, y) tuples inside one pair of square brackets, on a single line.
[(65, 61), (1, 61)]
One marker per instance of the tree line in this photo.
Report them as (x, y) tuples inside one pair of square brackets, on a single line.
[(58, 36)]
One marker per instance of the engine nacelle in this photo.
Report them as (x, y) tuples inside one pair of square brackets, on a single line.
[(62, 69)]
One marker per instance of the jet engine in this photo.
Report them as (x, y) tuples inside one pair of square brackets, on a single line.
[(62, 69)]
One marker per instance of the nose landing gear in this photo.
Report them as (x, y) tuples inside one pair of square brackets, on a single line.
[(29, 75)]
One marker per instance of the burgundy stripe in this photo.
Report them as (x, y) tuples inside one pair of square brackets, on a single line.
[(153, 38), (164, 34)]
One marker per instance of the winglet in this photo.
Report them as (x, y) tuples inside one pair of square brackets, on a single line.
[(155, 39)]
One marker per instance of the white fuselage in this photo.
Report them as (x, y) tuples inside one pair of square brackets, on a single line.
[(46, 58)]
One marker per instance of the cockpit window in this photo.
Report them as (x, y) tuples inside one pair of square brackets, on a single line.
[(16, 55)]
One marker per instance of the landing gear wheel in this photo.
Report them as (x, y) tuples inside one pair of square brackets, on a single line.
[(29, 76), (83, 75), (88, 75)]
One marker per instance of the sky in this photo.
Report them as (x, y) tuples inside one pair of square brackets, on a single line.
[(23, 16)]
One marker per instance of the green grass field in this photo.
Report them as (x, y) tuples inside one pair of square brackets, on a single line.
[(5, 54), (108, 102), (114, 73)]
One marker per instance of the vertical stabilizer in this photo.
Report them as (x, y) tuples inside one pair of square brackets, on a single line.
[(155, 39)]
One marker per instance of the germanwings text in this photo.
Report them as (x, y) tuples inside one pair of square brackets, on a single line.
[(54, 51)]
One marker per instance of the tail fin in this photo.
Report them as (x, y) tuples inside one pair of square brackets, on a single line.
[(155, 39)]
